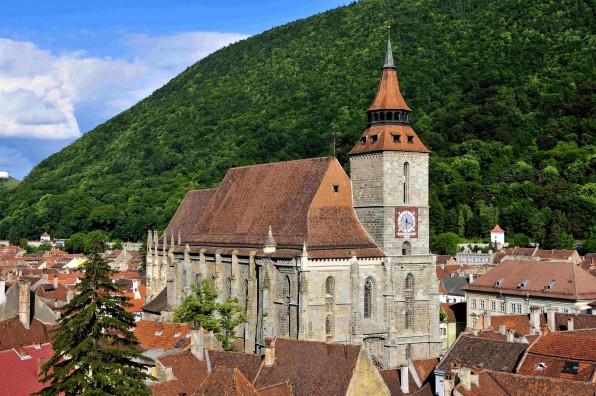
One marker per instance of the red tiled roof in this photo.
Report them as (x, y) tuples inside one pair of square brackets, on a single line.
[(547, 366), (18, 373), (162, 335), (295, 198), (392, 379), (249, 364), (47, 290), (384, 140), (284, 389), (312, 368), (497, 229), (577, 345), (226, 381), (571, 281), (388, 95), (498, 383), (519, 323), (14, 334), (424, 368), (189, 213), (189, 373)]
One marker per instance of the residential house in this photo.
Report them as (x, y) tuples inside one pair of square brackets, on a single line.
[(513, 286)]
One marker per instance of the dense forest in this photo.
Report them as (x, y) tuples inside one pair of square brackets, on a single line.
[(502, 92)]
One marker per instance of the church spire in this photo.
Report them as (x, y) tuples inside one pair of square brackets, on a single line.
[(389, 55), (388, 126)]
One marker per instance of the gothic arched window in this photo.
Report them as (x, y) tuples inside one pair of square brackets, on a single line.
[(410, 282), (406, 248), (369, 298), (286, 287), (406, 182), (330, 286), (408, 319), (329, 326)]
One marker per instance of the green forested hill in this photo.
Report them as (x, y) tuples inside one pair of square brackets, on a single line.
[(501, 90), (8, 184)]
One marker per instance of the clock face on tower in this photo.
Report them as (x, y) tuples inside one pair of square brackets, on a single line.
[(406, 222)]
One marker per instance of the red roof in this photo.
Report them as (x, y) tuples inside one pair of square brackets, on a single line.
[(388, 96), (162, 335), (387, 137), (19, 373), (497, 229)]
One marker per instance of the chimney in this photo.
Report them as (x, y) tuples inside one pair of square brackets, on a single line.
[(24, 303), (550, 318), (404, 381), (448, 383), (55, 281), (269, 351), (502, 329), (69, 296), (535, 317), (510, 336), (487, 321), (471, 278), (197, 342), (40, 362), (544, 329), (570, 324), (2, 291)]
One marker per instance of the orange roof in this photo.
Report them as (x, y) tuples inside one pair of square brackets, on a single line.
[(388, 96), (497, 229), (162, 335), (389, 137)]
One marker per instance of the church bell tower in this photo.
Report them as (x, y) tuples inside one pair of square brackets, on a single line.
[(389, 172)]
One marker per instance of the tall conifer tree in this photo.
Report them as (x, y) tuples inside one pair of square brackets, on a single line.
[(95, 350)]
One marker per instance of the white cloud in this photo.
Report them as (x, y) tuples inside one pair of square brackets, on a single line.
[(41, 93)]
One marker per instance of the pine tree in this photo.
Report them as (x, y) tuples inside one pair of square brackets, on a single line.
[(95, 350)]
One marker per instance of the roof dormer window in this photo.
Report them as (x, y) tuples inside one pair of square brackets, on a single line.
[(550, 285), (335, 188), (396, 138), (523, 284), (374, 138), (363, 139), (499, 282), (410, 139)]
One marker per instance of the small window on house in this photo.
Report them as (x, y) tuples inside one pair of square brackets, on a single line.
[(541, 366), (396, 138), (363, 139), (410, 139), (335, 188), (374, 138)]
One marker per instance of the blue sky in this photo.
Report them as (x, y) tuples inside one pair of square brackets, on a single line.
[(67, 66)]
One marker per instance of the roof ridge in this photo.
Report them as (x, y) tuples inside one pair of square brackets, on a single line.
[(489, 372), (281, 162)]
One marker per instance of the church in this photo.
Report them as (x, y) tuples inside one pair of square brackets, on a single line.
[(311, 254)]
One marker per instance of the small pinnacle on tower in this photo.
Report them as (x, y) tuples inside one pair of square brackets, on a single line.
[(389, 63)]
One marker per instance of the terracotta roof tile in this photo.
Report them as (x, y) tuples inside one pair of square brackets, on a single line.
[(295, 197), (546, 366), (226, 381), (189, 373), (389, 138), (570, 280), (162, 335), (498, 383), (19, 375), (284, 389), (248, 363), (497, 229), (392, 379), (189, 213), (424, 368), (306, 365), (494, 354), (578, 345), (14, 334), (388, 95)]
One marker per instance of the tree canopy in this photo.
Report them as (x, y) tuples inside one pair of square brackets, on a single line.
[(501, 91)]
